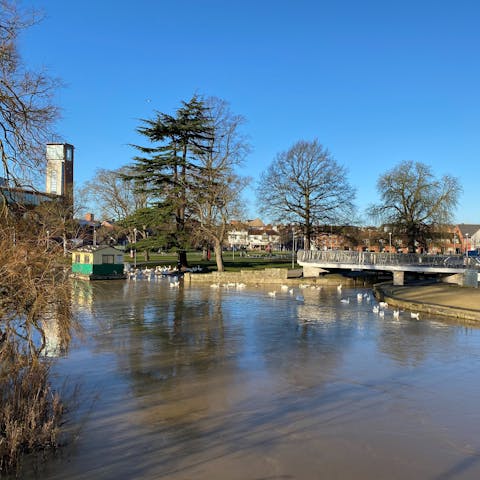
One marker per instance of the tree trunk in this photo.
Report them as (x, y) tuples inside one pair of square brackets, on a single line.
[(182, 259), (217, 248), (411, 238), (306, 242)]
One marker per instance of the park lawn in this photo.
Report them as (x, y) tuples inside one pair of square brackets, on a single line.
[(232, 263)]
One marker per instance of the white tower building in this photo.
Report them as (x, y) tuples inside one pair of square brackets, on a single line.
[(59, 169)]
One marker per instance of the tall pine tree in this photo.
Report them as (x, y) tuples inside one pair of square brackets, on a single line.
[(169, 167)]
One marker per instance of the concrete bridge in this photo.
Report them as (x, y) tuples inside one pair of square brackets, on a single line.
[(456, 268)]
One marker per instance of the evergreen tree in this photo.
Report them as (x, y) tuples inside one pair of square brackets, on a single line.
[(169, 168)]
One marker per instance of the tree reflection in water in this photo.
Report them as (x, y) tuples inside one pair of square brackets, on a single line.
[(215, 383)]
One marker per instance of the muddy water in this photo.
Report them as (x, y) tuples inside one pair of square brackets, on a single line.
[(203, 383)]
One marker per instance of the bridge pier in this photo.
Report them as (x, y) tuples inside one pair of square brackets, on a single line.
[(398, 278)]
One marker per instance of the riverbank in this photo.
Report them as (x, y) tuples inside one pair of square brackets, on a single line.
[(438, 299)]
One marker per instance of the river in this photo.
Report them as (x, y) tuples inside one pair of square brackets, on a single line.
[(194, 382)]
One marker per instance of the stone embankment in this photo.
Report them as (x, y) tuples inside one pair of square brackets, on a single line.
[(264, 277), (437, 299)]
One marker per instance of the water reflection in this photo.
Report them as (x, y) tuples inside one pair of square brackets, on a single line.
[(194, 382)]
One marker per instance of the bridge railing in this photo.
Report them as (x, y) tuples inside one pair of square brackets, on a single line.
[(351, 257)]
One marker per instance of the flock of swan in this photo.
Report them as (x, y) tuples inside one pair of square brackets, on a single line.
[(158, 272), (380, 308)]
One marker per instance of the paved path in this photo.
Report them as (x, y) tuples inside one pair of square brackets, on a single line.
[(439, 298)]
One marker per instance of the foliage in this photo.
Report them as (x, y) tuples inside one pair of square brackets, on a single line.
[(31, 413), (35, 316), (414, 201), (306, 186), (35, 321)]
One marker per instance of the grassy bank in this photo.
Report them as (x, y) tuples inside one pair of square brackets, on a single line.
[(233, 262)]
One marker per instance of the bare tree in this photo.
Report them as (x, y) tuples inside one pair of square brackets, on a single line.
[(306, 186), (414, 201), (26, 109), (216, 194), (114, 194), (35, 295)]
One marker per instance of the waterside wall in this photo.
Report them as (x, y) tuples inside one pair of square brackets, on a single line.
[(267, 276)]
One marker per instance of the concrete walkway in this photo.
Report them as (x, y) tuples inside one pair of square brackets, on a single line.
[(438, 299)]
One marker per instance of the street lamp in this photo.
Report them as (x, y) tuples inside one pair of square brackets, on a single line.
[(293, 249), (466, 245), (135, 247), (390, 242)]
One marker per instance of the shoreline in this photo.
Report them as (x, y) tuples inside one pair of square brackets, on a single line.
[(438, 299)]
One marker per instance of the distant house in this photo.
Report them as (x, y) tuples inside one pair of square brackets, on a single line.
[(238, 238), (468, 235), (263, 239), (97, 262)]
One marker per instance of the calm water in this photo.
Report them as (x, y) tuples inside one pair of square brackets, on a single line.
[(202, 383)]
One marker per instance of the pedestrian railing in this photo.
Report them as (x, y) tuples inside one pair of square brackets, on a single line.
[(387, 259)]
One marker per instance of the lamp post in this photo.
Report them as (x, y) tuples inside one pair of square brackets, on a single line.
[(390, 242), (135, 247), (466, 245), (293, 249)]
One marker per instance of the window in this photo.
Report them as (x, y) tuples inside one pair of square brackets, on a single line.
[(108, 259), (53, 181), (77, 258), (86, 259), (68, 154)]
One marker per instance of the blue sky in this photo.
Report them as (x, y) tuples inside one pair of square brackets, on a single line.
[(377, 82)]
